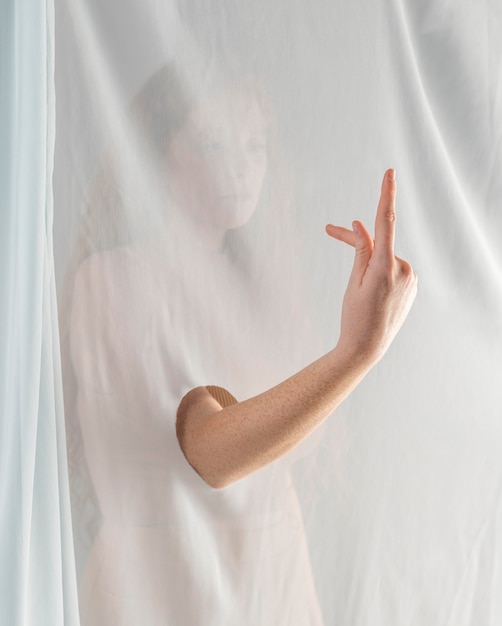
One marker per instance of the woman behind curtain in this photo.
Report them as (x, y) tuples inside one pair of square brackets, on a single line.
[(161, 303), (173, 304)]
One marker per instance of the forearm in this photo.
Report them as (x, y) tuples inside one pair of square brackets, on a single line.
[(226, 444)]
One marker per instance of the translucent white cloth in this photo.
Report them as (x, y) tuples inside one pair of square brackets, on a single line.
[(37, 565), (201, 149)]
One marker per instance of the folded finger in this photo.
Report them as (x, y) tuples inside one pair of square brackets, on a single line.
[(342, 234)]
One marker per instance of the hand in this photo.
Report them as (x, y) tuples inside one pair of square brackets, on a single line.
[(381, 287)]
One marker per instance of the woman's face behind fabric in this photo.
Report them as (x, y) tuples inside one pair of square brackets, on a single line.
[(217, 161)]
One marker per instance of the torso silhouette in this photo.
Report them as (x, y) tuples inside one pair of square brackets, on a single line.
[(171, 550)]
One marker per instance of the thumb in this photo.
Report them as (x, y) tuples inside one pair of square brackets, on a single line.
[(364, 250)]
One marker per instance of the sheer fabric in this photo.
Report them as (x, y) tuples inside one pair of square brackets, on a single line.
[(37, 568), (201, 149)]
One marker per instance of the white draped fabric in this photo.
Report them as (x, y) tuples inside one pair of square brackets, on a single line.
[(201, 148), (37, 567)]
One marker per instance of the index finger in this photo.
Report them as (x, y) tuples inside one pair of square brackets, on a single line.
[(385, 222)]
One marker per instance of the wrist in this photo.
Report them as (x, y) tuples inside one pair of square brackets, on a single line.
[(358, 355)]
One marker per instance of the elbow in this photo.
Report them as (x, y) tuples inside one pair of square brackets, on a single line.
[(204, 464), (210, 474), (216, 482), (207, 469)]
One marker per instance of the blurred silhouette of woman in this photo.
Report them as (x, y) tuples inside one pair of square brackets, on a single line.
[(198, 518)]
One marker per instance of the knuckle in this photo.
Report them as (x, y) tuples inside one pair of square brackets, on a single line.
[(390, 215), (405, 270), (362, 250)]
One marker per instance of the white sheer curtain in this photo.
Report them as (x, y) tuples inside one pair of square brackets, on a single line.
[(201, 147), (390, 512), (37, 580)]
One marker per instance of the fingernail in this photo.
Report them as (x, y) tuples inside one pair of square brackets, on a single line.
[(356, 229), (392, 174)]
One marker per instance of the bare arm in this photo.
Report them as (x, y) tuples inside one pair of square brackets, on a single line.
[(226, 441)]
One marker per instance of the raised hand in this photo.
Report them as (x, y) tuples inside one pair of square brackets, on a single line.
[(225, 442), (381, 287)]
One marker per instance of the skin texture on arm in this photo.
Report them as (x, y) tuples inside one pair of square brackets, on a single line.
[(225, 441)]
